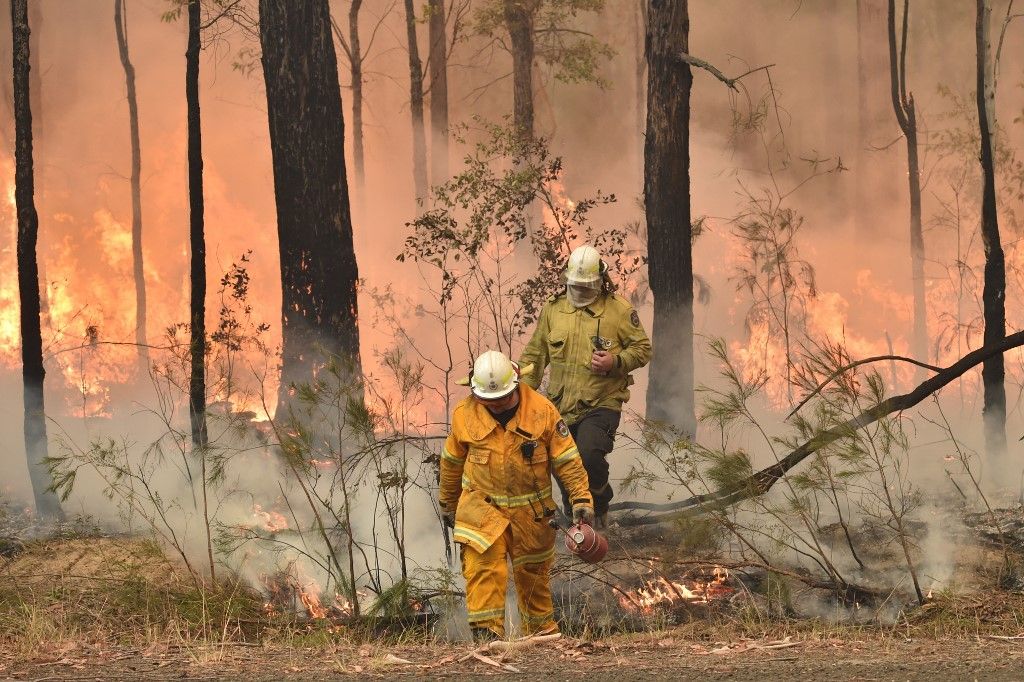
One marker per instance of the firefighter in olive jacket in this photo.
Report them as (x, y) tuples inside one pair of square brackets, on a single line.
[(591, 339), (505, 442)]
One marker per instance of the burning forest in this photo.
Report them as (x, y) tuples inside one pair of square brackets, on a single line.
[(648, 335)]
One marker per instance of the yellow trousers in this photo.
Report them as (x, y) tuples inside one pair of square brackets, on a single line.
[(530, 545)]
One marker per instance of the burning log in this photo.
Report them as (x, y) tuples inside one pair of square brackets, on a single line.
[(761, 482)]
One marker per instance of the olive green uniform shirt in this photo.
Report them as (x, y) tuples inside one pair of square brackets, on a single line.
[(563, 341)]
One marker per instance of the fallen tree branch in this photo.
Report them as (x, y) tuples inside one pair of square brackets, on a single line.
[(760, 482), (846, 368), (714, 71)]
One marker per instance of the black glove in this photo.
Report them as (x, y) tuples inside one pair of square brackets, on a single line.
[(448, 518)]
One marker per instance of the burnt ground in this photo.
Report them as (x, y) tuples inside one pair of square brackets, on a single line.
[(114, 608), (650, 657)]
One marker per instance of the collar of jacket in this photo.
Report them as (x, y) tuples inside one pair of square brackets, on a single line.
[(529, 418), (595, 309)]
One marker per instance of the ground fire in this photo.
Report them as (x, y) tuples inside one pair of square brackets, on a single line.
[(663, 592)]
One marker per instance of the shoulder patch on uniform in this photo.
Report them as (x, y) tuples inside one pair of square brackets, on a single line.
[(562, 429), (634, 318)]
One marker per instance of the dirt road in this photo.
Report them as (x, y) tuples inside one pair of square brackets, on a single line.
[(648, 657)]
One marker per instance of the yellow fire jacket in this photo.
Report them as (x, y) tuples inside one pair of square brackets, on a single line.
[(563, 339), (487, 479)]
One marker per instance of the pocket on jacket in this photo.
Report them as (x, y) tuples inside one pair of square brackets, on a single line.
[(557, 342)]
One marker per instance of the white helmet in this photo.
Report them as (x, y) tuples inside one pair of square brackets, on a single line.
[(494, 376), (584, 266)]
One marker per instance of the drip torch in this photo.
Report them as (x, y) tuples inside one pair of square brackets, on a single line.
[(582, 540)]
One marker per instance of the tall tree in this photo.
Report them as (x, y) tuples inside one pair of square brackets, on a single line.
[(640, 89), (906, 116), (197, 270), (35, 20), (667, 199), (419, 138), (121, 28), (354, 51), (438, 59), (319, 276), (993, 295), (197, 234), (519, 18), (547, 32), (33, 372), (874, 189)]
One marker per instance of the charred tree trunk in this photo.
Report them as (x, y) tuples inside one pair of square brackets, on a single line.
[(875, 190), (197, 235), (519, 15), (667, 199), (356, 70), (318, 264), (906, 116), (640, 30), (33, 373), (121, 27), (197, 274), (994, 292), (419, 138), (35, 20), (438, 94)]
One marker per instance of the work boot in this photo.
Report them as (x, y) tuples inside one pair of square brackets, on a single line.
[(484, 635)]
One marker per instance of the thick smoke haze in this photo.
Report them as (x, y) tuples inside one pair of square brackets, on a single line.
[(859, 249)]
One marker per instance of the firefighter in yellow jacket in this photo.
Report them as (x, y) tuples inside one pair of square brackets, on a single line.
[(592, 339), (505, 442)]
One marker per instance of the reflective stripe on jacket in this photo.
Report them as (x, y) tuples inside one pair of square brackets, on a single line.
[(484, 474)]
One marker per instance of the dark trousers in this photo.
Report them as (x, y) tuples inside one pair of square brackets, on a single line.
[(595, 437)]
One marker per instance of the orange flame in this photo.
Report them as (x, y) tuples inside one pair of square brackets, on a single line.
[(270, 520), (311, 600), (664, 592)]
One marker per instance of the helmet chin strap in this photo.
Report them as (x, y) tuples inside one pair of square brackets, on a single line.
[(579, 297)]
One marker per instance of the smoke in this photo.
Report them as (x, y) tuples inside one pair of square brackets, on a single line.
[(862, 279)]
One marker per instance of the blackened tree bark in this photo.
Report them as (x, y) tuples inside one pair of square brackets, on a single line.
[(35, 20), (906, 116), (994, 292), (33, 372), (318, 265), (875, 190), (438, 93), (356, 68), (419, 138), (197, 273), (121, 27), (519, 18), (197, 234), (667, 199)]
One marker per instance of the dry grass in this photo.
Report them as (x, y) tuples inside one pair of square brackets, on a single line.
[(79, 593), (114, 590)]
